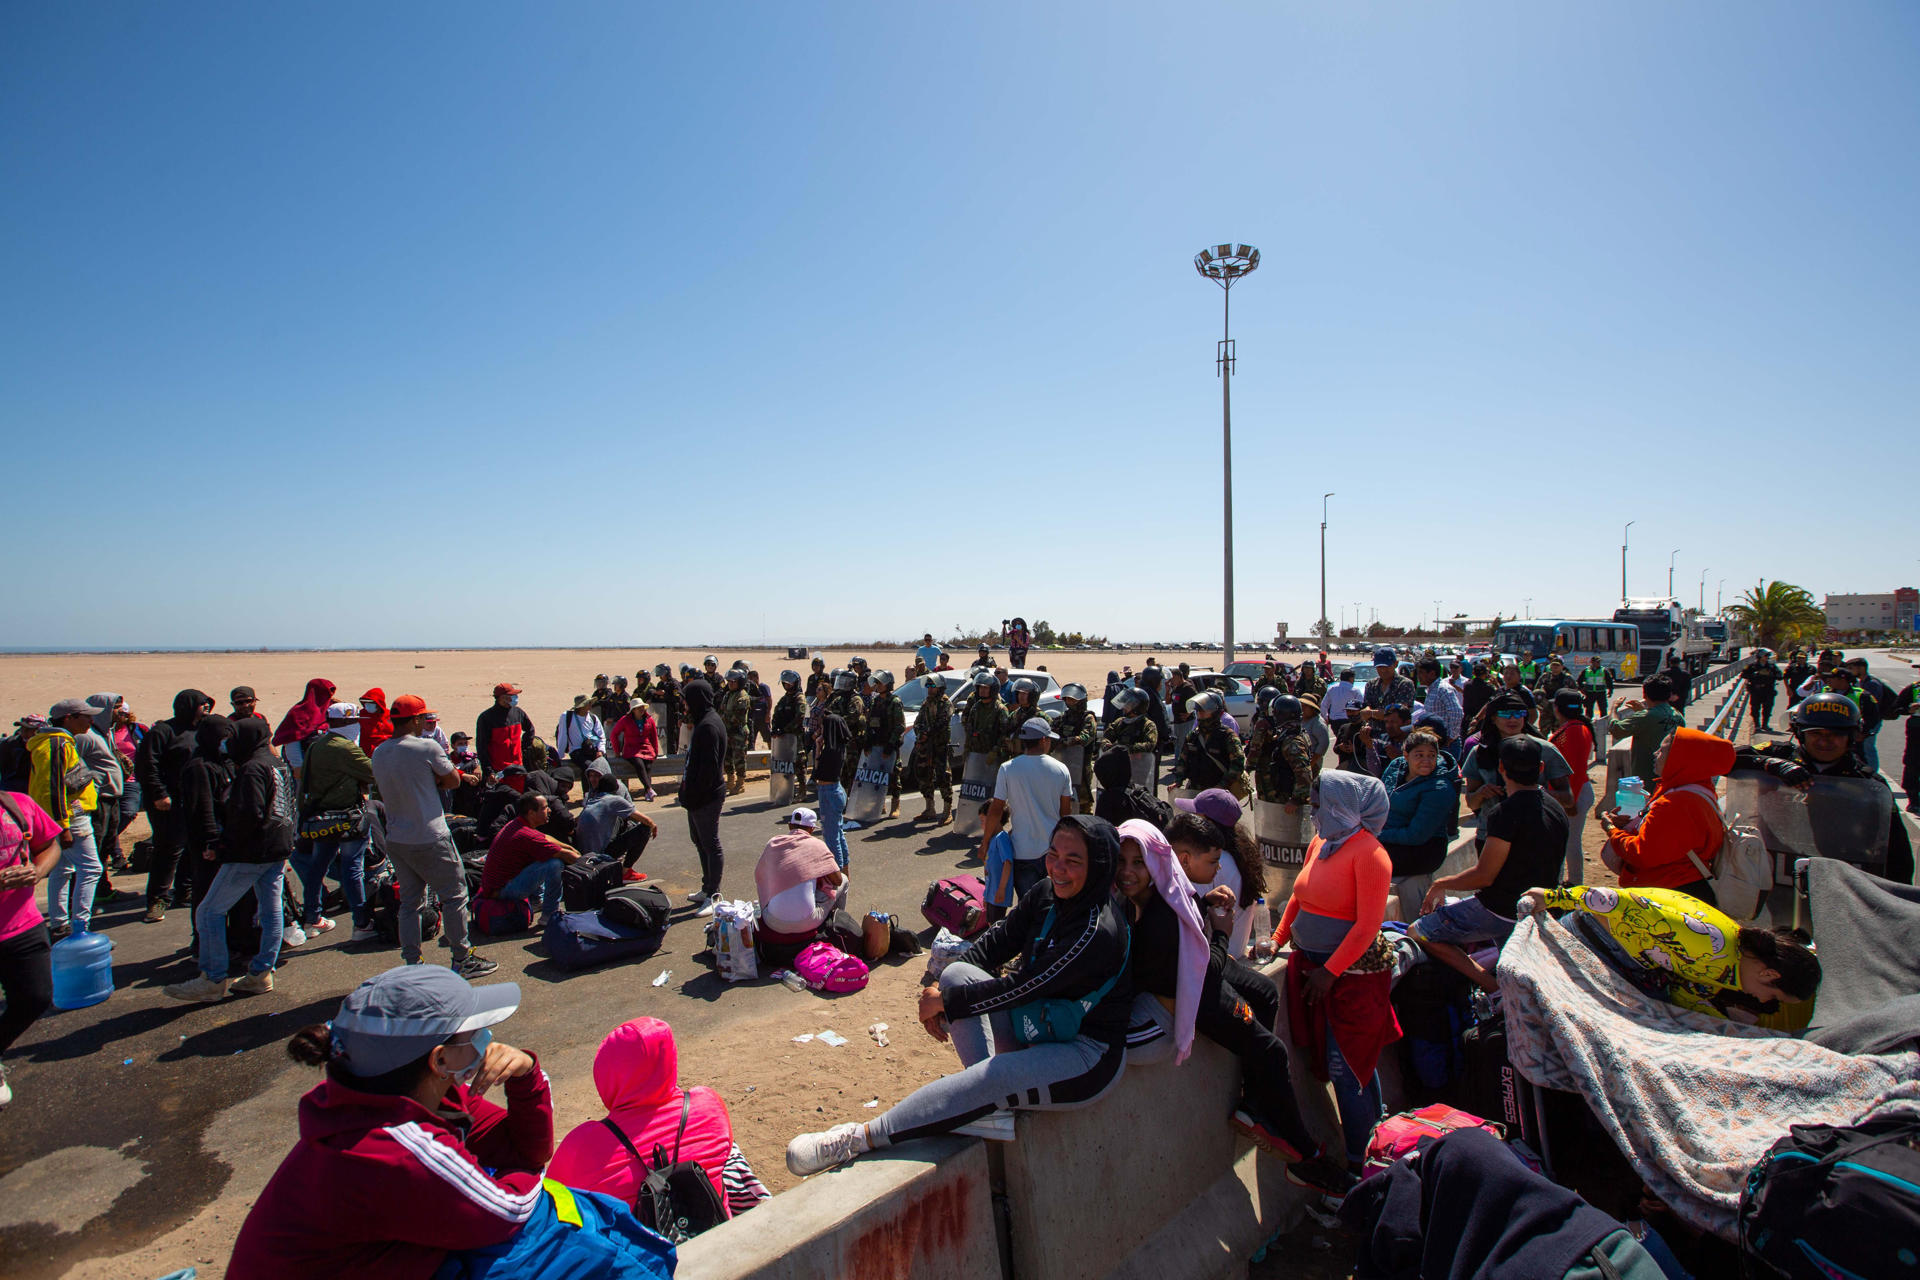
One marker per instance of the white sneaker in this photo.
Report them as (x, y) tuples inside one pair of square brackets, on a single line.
[(293, 936), (812, 1152), (202, 990), (6, 1090), (320, 926), (706, 910), (368, 934), (997, 1127)]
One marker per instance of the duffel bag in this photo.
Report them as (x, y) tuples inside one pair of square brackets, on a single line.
[(497, 917), (638, 906), (1398, 1136), (585, 884), (383, 909), (583, 939), (1831, 1200), (957, 903)]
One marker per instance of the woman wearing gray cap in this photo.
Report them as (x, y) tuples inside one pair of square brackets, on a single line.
[(401, 1161)]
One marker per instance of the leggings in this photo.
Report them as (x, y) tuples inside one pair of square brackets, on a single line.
[(996, 1073), (26, 978), (642, 769), (1238, 1010)]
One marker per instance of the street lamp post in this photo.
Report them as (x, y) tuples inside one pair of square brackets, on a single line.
[(1224, 264), (1623, 561), (1670, 563), (1703, 591), (1323, 564), (1720, 596)]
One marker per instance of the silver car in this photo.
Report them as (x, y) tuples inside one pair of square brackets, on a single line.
[(959, 687)]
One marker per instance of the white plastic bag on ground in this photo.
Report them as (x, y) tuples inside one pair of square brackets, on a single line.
[(947, 947), (733, 928)]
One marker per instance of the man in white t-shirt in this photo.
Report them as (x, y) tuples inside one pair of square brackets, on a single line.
[(1341, 694), (1034, 791)]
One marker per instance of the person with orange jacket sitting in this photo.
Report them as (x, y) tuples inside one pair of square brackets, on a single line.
[(1672, 845)]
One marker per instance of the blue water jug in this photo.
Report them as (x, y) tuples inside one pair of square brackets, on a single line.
[(82, 970), (1630, 798)]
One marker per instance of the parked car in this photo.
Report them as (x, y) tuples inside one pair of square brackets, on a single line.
[(959, 689)]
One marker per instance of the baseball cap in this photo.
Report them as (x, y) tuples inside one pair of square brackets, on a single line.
[(407, 706), (804, 817), (1036, 729), (1384, 657), (1521, 751), (398, 1016), (71, 707), (504, 687), (1215, 803), (344, 711), (242, 693)]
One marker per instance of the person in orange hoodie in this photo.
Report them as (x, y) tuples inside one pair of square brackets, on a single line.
[(1682, 819), (376, 726)]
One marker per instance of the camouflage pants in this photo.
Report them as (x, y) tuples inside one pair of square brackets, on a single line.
[(933, 774), (736, 759)]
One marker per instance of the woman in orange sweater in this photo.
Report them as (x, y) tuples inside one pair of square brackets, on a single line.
[(1682, 818), (1339, 977)]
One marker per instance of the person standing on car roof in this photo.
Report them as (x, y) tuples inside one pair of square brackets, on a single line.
[(1018, 639)]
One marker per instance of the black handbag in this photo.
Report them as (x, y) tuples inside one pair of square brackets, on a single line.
[(678, 1198)]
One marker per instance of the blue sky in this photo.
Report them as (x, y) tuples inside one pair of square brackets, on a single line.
[(482, 324)]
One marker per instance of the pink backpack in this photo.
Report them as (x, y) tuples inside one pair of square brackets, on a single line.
[(1397, 1136), (826, 967)]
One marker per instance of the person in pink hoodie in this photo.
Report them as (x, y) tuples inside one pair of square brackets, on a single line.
[(637, 1071)]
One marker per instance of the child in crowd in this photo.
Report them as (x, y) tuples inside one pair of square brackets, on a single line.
[(999, 876)]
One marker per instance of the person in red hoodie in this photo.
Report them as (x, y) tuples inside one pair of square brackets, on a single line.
[(637, 1071), (1681, 830), (401, 1161), (376, 726)]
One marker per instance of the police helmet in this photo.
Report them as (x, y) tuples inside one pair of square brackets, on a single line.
[(1825, 711), (883, 679), (933, 683), (1285, 709), (857, 661), (735, 676), (986, 680), (1052, 717), (1209, 704), (790, 679), (1149, 677), (686, 669), (662, 670), (1130, 700), (1024, 685), (709, 661), (845, 681), (1074, 692), (1263, 699), (986, 648)]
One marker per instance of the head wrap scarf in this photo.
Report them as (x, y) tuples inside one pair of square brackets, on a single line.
[(307, 716), (1348, 803), (1170, 880)]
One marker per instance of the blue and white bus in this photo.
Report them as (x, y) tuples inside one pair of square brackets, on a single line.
[(1573, 641)]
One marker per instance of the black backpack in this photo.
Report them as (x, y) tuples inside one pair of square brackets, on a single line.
[(586, 882), (677, 1199), (638, 906), (1832, 1200)]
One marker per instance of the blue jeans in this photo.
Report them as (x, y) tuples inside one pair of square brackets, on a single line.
[(538, 883), (1870, 746), (1462, 924), (129, 800), (230, 884), (831, 800), (1359, 1104), (344, 858), (79, 867)]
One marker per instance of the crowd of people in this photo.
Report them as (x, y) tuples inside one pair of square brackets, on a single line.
[(1121, 923)]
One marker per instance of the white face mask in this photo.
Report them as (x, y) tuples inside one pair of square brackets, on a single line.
[(481, 1039)]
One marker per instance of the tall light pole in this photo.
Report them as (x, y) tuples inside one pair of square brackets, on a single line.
[(1223, 264), (1703, 591), (1623, 560), (1670, 563), (1323, 564), (1720, 596)]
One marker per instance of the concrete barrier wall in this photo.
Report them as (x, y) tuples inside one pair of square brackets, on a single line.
[(922, 1211)]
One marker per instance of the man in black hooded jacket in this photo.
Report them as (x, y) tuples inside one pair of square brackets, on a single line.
[(158, 764), (703, 786), (254, 844)]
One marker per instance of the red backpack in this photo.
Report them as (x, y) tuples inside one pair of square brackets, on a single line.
[(958, 903)]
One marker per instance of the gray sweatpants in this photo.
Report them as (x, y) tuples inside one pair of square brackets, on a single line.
[(997, 1072), (417, 868)]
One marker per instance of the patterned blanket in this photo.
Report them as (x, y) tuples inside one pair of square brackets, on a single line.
[(1693, 1101)]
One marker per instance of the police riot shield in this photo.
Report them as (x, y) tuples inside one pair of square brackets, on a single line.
[(660, 712), (976, 792), (1844, 818), (1146, 770), (1075, 758), (1283, 839), (785, 749), (867, 802)]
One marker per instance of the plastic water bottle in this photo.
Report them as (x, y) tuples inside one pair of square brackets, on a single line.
[(1262, 945), (792, 980), (1630, 798), (82, 970)]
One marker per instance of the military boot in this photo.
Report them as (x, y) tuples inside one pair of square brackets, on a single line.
[(926, 814), (893, 806), (946, 814)]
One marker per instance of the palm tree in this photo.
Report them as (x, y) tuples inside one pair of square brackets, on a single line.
[(1779, 614)]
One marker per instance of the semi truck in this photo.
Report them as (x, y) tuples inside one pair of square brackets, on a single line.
[(1666, 631)]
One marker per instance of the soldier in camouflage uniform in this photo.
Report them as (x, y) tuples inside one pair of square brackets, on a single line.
[(1285, 774), (1212, 755), (1079, 727), (933, 750), (846, 703), (684, 719), (666, 689), (985, 721), (1135, 730), (736, 710), (790, 716), (819, 683), (615, 702), (1025, 706), (886, 728)]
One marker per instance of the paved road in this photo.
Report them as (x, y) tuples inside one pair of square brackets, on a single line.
[(173, 1102)]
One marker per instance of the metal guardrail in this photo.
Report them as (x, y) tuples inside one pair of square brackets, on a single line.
[(1729, 712)]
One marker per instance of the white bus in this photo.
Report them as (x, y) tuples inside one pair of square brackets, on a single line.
[(1573, 641)]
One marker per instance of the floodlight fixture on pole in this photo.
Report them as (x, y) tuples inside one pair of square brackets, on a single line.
[(1703, 591), (1670, 563), (1623, 560), (1323, 563), (1224, 264)]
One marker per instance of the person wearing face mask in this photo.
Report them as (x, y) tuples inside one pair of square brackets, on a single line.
[(375, 725), (402, 1159), (303, 719), (1048, 1034), (503, 734)]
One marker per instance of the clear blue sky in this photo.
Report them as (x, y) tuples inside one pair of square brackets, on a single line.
[(365, 324)]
